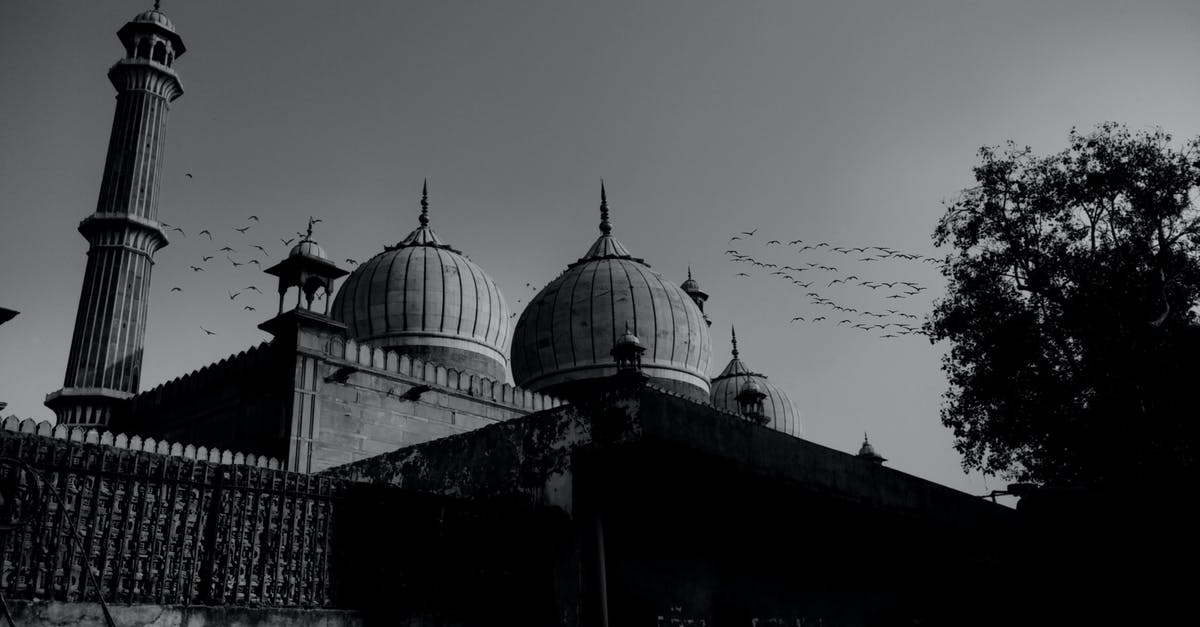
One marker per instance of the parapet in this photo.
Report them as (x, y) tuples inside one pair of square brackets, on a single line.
[(137, 443)]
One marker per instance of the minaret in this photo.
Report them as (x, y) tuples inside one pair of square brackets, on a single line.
[(104, 366)]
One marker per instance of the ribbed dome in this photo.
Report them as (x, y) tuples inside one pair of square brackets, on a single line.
[(154, 16), (308, 248), (423, 297), (567, 331), (779, 409)]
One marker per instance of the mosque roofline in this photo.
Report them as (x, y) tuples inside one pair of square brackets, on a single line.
[(658, 424)]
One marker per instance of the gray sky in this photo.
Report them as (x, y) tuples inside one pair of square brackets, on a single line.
[(849, 122)]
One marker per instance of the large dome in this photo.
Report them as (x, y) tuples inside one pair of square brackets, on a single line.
[(564, 336), (779, 409), (424, 298)]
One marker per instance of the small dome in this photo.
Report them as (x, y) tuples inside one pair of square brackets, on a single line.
[(565, 335), (308, 248), (867, 452), (154, 16), (424, 298), (779, 409)]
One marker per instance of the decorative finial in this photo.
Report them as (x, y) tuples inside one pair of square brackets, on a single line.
[(156, 4), (424, 203), (309, 230), (605, 226), (689, 272), (733, 334)]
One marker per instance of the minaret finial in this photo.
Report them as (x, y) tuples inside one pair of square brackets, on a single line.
[(733, 335), (689, 272), (156, 2), (424, 203), (605, 226)]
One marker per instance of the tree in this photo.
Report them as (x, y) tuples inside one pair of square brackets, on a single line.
[(1074, 348)]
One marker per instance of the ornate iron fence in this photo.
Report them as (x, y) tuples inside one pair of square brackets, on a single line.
[(163, 528)]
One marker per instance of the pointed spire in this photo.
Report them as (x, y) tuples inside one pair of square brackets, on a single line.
[(733, 335), (605, 226), (689, 272), (424, 203)]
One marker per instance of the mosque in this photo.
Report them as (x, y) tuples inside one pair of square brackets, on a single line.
[(682, 485), (419, 301)]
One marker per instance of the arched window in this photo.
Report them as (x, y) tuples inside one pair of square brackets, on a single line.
[(143, 49), (160, 52)]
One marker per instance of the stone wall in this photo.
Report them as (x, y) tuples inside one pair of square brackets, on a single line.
[(137, 526), (59, 614)]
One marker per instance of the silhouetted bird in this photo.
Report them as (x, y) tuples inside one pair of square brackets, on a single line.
[(242, 230), (207, 331), (255, 218), (749, 233), (175, 228), (189, 175), (196, 268), (287, 241), (252, 289), (206, 258), (800, 318), (176, 289), (774, 241), (741, 274), (264, 250), (235, 264), (205, 232), (249, 308), (255, 262), (355, 263), (233, 295), (226, 249)]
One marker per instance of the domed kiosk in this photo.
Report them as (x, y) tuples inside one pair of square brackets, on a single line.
[(564, 338), (779, 410), (424, 298)]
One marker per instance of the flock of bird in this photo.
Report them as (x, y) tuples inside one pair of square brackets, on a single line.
[(812, 275), (244, 255)]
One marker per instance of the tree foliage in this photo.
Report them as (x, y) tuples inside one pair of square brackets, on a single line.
[(1072, 280)]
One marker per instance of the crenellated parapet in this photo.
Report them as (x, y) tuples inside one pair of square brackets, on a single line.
[(392, 362), (136, 443), (185, 388)]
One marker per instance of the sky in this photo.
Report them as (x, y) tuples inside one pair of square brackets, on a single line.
[(848, 122)]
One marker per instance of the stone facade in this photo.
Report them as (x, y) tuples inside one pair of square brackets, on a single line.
[(316, 399)]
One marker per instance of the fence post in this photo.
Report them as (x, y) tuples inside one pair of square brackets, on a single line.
[(209, 547)]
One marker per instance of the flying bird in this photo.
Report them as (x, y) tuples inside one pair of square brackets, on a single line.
[(175, 228), (800, 318), (749, 233), (264, 250), (774, 241), (206, 232), (235, 264), (355, 263), (226, 249), (255, 218), (196, 268), (249, 308), (176, 289), (252, 288), (207, 331), (189, 175), (207, 258), (741, 274), (242, 230), (255, 262), (288, 241), (734, 238), (233, 295)]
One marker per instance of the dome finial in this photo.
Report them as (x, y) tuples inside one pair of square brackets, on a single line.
[(733, 335), (424, 203), (156, 2), (689, 272), (605, 225)]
